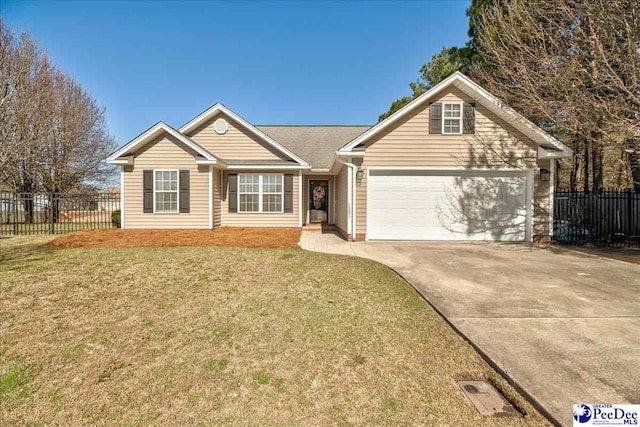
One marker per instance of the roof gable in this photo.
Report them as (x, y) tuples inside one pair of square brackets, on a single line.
[(465, 84), (235, 142), (219, 108), (150, 135)]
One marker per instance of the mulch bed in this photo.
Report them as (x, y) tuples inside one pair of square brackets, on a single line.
[(224, 236)]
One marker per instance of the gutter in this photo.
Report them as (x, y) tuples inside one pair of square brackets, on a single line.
[(351, 196)]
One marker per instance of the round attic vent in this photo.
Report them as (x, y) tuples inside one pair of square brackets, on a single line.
[(220, 126)]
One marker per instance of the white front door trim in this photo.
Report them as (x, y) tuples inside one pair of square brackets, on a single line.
[(300, 198)]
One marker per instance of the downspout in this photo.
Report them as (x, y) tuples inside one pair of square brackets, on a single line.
[(351, 197), (122, 212), (210, 198)]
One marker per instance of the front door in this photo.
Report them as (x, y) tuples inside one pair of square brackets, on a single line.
[(319, 200)]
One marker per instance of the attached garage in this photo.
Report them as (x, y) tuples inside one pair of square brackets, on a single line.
[(449, 205)]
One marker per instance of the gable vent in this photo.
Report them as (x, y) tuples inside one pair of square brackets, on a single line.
[(220, 126)]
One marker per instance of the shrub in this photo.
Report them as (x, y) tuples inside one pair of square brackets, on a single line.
[(115, 218)]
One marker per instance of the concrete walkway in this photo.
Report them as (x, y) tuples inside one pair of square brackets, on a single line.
[(326, 241), (564, 326)]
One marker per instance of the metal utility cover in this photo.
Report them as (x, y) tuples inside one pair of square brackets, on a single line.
[(486, 398)]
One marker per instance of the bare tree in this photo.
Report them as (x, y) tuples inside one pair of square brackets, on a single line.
[(53, 133), (573, 67)]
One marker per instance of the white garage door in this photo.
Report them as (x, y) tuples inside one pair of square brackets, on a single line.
[(447, 205)]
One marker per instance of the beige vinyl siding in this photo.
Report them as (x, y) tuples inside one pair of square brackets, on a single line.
[(408, 143), (217, 198), (541, 202), (263, 219), (165, 152), (236, 143), (341, 199), (305, 195)]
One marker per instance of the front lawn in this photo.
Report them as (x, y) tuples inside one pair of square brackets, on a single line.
[(216, 335)]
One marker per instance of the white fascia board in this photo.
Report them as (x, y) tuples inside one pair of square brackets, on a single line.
[(154, 131), (211, 162), (447, 168), (502, 110), (219, 108), (268, 167), (545, 154), (350, 153), (323, 172), (127, 160)]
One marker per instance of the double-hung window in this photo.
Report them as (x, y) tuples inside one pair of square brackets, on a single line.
[(271, 193), (260, 193), (452, 118), (249, 193), (165, 191)]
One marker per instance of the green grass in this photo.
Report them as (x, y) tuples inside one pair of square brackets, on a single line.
[(14, 380), (212, 335)]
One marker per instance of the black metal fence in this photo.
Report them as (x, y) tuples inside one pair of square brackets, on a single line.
[(601, 218), (56, 213)]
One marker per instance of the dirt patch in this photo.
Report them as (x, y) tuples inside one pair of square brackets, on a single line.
[(224, 236)]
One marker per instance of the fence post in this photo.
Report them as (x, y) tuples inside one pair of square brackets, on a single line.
[(15, 214), (629, 228), (52, 228)]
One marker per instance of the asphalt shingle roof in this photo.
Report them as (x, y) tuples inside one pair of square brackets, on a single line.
[(315, 144)]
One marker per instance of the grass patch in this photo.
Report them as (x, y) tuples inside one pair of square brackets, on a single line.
[(233, 336), (262, 378), (14, 380), (390, 406)]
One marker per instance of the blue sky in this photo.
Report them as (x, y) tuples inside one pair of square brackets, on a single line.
[(270, 62)]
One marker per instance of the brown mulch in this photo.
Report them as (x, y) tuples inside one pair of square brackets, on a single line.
[(224, 236)]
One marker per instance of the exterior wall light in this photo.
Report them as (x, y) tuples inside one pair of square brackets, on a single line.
[(545, 175), (359, 175)]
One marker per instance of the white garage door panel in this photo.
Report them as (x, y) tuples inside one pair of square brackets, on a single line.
[(449, 205)]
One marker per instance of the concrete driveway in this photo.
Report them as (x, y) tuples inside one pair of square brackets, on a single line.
[(565, 326)]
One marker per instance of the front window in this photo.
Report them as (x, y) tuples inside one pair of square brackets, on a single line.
[(260, 193), (452, 118), (271, 193), (165, 191), (249, 192)]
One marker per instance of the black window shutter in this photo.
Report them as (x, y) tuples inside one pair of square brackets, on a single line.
[(435, 118), (469, 118), (232, 180), (184, 192), (147, 191), (288, 193)]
